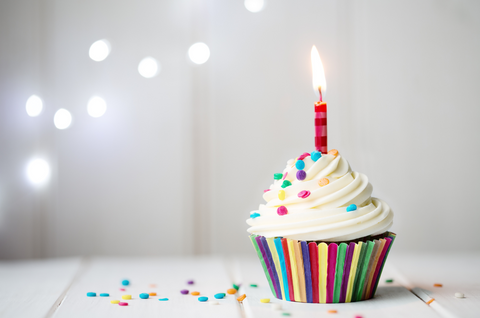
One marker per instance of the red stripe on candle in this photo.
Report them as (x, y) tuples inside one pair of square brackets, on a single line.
[(313, 251), (289, 269)]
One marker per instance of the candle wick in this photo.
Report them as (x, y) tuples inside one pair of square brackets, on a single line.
[(320, 92)]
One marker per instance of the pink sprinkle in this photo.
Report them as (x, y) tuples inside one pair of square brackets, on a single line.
[(266, 190), (122, 304), (285, 175), (304, 194), (122, 289), (305, 155), (282, 210)]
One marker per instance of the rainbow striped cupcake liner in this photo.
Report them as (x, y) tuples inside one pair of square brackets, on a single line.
[(325, 272)]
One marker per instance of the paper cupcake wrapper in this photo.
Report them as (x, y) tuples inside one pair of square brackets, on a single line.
[(325, 272)]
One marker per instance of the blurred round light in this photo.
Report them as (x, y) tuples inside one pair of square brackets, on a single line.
[(62, 119), (99, 50), (199, 53), (96, 106), (254, 5), (34, 106), (148, 67), (38, 171)]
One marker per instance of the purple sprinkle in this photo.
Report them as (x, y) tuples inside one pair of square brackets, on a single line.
[(190, 282), (184, 291), (301, 175)]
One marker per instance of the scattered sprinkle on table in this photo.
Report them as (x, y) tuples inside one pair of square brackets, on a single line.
[(265, 300), (125, 282), (231, 291), (190, 282), (332, 311), (194, 293), (153, 285), (122, 304), (104, 295), (286, 314), (437, 285), (126, 296), (184, 291), (236, 286), (152, 294), (91, 294), (358, 316), (276, 306), (213, 302), (219, 295), (114, 301), (389, 281), (163, 299), (202, 299), (241, 298), (459, 295), (253, 285), (122, 289), (430, 301), (144, 295)]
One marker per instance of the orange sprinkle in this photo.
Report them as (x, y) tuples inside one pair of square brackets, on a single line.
[(332, 311), (430, 301), (152, 294), (323, 182), (437, 285), (153, 285), (231, 291), (195, 293), (241, 297), (333, 152)]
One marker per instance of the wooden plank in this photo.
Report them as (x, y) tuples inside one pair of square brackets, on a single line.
[(457, 272), (391, 300), (31, 288), (104, 275)]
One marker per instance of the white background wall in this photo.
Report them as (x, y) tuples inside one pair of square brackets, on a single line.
[(178, 161)]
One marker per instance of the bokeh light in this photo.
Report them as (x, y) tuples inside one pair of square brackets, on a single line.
[(38, 171), (62, 119), (199, 53), (99, 50), (148, 67), (34, 106), (254, 5), (96, 106)]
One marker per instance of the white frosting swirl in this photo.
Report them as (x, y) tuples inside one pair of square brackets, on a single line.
[(323, 214)]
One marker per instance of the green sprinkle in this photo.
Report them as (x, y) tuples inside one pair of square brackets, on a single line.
[(253, 285), (278, 176), (236, 286), (286, 314), (389, 281), (286, 183)]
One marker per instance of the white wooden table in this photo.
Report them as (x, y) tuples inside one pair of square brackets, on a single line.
[(58, 287)]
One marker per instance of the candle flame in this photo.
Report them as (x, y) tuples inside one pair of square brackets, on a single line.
[(318, 74)]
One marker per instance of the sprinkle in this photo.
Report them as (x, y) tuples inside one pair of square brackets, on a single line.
[(282, 210), (104, 295), (266, 190), (316, 155), (459, 295), (152, 294), (301, 175), (278, 176), (323, 182), (91, 294), (253, 285), (430, 301), (437, 285), (231, 291), (194, 293), (184, 292), (281, 194), (122, 289), (202, 299), (351, 207), (163, 299), (286, 314), (144, 295), (254, 215), (213, 302), (114, 301), (305, 155), (300, 164), (389, 281), (304, 194), (285, 175), (122, 304), (190, 282), (332, 311), (153, 285), (125, 282), (333, 152), (126, 297), (357, 316), (265, 300), (276, 306), (286, 183), (219, 295), (237, 287), (241, 298)]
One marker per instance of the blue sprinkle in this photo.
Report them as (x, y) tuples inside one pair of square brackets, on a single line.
[(92, 294), (219, 295), (351, 207), (301, 175), (315, 155), (300, 164), (163, 299), (125, 282), (144, 295), (104, 295), (254, 215), (202, 299)]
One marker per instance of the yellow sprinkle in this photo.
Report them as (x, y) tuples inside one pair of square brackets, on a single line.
[(265, 300), (430, 301), (281, 195), (437, 285), (126, 296), (152, 294), (231, 291), (114, 301), (323, 182), (241, 297), (333, 152), (195, 293), (332, 311)]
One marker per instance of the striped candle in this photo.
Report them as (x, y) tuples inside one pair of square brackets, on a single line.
[(321, 127)]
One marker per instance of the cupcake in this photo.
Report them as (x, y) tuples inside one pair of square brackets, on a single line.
[(321, 237)]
